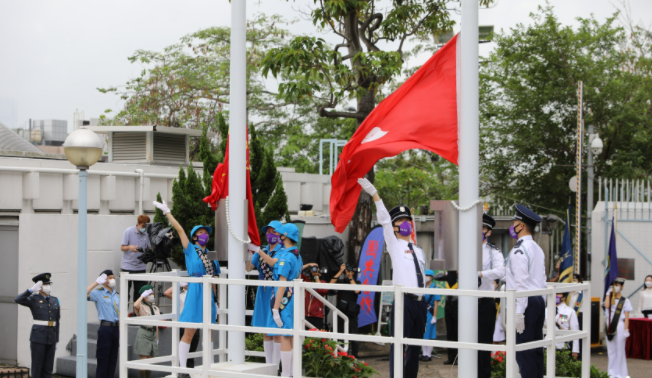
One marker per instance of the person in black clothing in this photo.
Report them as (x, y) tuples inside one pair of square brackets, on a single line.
[(45, 331), (450, 313), (347, 302)]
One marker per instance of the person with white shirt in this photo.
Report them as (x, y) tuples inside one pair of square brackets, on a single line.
[(645, 298), (616, 314), (525, 268), (493, 268), (565, 320), (409, 263)]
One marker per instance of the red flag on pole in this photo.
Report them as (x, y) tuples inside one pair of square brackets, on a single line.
[(221, 190), (420, 114)]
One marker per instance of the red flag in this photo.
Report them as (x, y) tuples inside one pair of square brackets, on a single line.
[(221, 190), (420, 114)]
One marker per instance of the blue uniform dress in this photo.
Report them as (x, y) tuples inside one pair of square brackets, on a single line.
[(193, 306), (262, 311), (289, 266), (431, 329)]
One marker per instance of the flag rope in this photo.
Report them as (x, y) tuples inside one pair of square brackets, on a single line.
[(228, 222), (466, 208)]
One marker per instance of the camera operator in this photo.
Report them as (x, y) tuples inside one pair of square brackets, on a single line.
[(347, 302), (314, 307), (134, 238)]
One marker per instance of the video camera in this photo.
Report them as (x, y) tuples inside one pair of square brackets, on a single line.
[(162, 241), (350, 268)]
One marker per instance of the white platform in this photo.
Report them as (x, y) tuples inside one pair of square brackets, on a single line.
[(247, 367)]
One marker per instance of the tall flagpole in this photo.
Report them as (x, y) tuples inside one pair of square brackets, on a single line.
[(237, 177), (469, 163)]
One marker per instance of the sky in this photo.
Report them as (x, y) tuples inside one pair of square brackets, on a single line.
[(55, 54)]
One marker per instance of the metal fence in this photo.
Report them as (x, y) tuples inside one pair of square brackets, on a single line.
[(299, 333), (632, 199)]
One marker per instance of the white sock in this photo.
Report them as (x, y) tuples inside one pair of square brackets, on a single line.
[(269, 351), (277, 354), (427, 351), (286, 358), (183, 353)]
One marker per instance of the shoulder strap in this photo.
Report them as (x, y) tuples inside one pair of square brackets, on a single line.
[(613, 326)]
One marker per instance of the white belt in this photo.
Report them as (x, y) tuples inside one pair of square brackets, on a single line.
[(47, 323)]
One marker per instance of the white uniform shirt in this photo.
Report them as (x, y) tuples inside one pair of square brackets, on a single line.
[(566, 320), (525, 269), (402, 260), (609, 315), (493, 267)]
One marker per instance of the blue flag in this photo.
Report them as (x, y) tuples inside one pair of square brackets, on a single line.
[(611, 271), (566, 263)]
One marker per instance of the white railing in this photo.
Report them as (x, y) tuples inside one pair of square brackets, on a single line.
[(299, 286)]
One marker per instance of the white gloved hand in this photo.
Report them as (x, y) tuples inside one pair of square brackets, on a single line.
[(479, 274), (277, 318), (367, 186), (253, 247), (162, 206), (146, 293), (250, 255), (101, 280), (520, 323), (433, 320), (37, 287), (626, 333)]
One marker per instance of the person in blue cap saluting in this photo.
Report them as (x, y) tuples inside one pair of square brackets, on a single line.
[(526, 270), (262, 310), (198, 265), (431, 321), (286, 265)]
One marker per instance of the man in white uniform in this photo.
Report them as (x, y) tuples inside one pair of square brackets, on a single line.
[(566, 320), (526, 271), (409, 263), (493, 268)]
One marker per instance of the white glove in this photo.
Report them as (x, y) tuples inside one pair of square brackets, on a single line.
[(162, 206), (101, 280), (253, 247), (183, 284), (433, 320), (626, 333), (277, 318), (367, 186), (520, 323), (479, 274), (146, 293), (156, 342), (37, 287)]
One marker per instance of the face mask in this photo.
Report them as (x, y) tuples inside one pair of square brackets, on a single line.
[(557, 300), (405, 228), (111, 283), (150, 298), (203, 239), (142, 230), (46, 289), (513, 233), (648, 284), (273, 238), (617, 289)]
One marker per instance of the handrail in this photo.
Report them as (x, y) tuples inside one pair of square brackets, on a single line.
[(337, 312), (65, 171)]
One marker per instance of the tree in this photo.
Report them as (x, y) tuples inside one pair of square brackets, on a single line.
[(331, 78)]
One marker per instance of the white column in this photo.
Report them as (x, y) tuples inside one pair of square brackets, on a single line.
[(469, 140), (237, 175)]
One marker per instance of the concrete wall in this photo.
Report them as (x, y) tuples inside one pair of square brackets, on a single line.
[(306, 188)]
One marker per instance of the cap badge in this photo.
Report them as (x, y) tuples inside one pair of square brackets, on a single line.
[(402, 208), (47, 276)]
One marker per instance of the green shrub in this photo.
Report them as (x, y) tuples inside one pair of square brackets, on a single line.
[(566, 365), (320, 359)]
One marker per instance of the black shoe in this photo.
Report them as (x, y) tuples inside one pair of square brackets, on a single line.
[(448, 362), (183, 375), (426, 358)]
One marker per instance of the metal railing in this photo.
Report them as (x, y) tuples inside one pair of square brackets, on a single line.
[(299, 286)]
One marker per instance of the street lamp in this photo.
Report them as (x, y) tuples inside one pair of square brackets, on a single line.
[(83, 148), (595, 148)]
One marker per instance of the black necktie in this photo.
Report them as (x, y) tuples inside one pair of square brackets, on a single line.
[(416, 266)]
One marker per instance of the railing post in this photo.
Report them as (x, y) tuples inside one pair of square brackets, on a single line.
[(124, 328), (398, 331), (222, 317), (586, 344), (510, 334), (207, 348), (175, 330), (550, 325), (297, 340)]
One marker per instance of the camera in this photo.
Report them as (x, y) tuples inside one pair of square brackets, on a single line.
[(350, 268), (314, 269), (162, 241)]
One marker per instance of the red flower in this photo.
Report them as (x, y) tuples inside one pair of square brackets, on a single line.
[(343, 354), (351, 357), (313, 329), (323, 340), (365, 364)]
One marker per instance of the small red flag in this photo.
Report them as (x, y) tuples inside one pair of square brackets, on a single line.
[(420, 114), (221, 190)]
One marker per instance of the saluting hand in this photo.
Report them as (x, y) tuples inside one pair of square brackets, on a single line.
[(37, 287), (101, 280), (146, 293)]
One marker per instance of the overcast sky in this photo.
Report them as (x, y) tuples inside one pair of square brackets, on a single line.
[(54, 54)]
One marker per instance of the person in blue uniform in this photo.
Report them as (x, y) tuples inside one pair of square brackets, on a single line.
[(409, 263), (286, 266), (198, 265), (107, 303), (525, 270), (262, 310), (46, 312), (431, 321)]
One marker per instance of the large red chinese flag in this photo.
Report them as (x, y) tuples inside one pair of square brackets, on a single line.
[(221, 190), (420, 114)]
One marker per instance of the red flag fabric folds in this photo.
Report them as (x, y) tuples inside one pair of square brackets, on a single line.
[(420, 114), (221, 190)]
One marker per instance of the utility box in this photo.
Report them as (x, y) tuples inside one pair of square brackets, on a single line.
[(446, 246)]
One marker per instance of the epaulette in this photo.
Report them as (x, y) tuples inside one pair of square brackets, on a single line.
[(518, 243), (492, 246), (101, 288)]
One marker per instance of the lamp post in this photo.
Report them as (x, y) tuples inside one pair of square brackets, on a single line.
[(595, 148), (83, 148)]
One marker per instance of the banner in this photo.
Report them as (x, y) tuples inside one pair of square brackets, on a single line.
[(566, 259), (372, 252)]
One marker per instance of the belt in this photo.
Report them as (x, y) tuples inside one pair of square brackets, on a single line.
[(47, 323), (414, 297), (146, 328), (109, 324)]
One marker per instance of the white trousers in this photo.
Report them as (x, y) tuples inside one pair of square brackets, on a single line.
[(616, 350)]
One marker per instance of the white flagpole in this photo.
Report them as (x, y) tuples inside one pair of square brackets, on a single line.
[(469, 161)]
